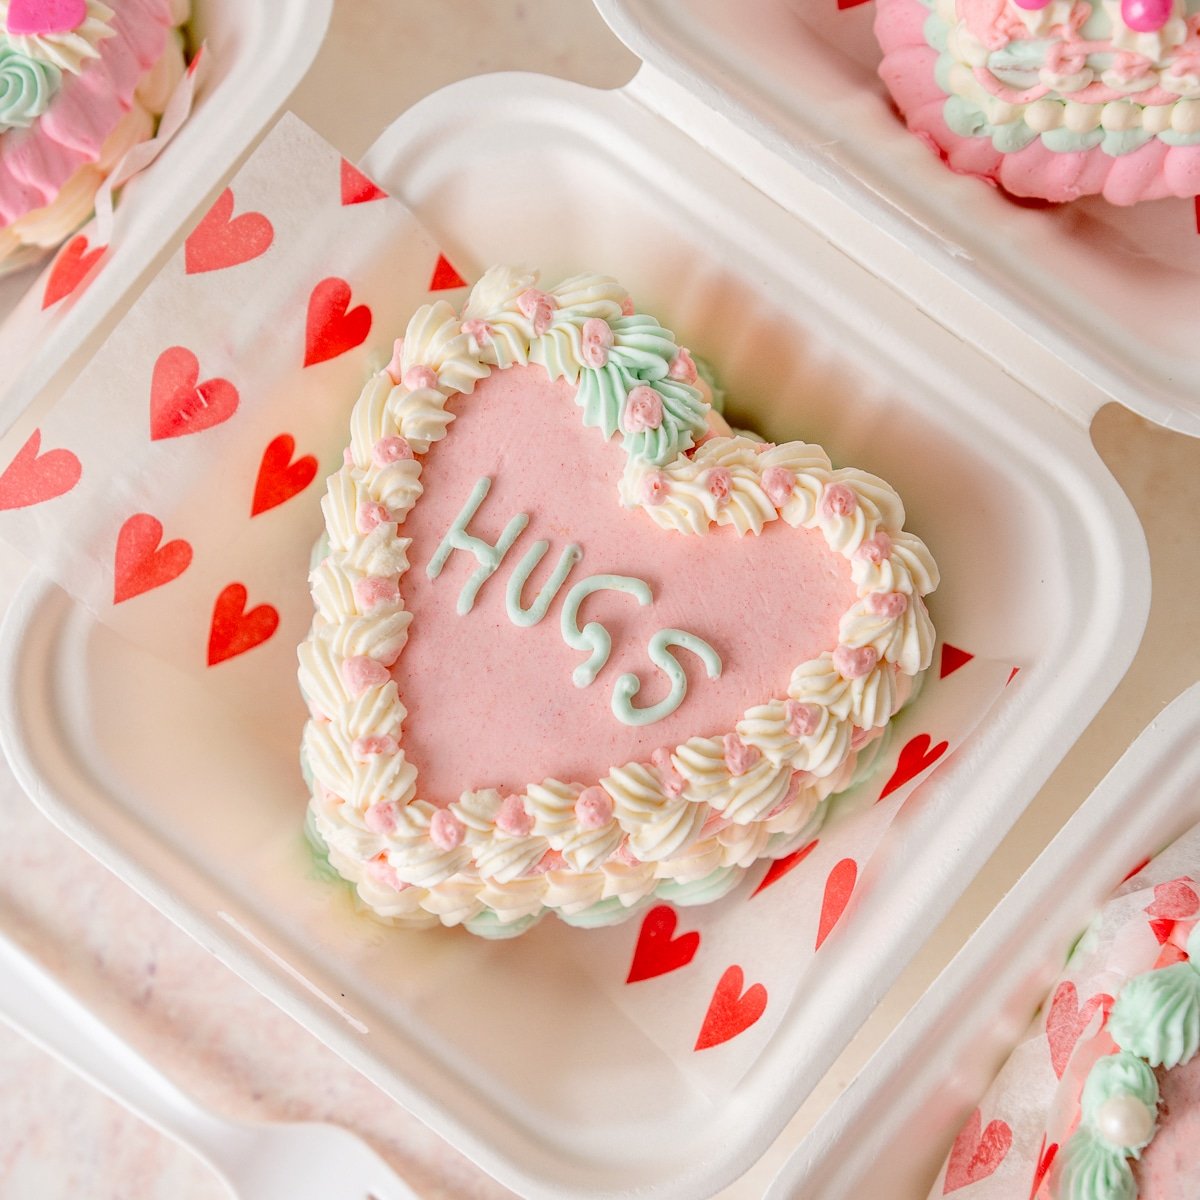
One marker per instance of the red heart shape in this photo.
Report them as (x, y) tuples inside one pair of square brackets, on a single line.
[(1066, 1021), (234, 630), (1046, 1157), (70, 269), (331, 329), (731, 1012), (445, 278), (39, 17), (141, 564), (1174, 901), (975, 1156), (914, 758), (781, 866), (953, 659), (221, 240), (31, 477), (279, 479), (357, 188), (839, 887), (658, 950), (179, 403)]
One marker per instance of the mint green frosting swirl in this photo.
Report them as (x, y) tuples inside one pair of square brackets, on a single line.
[(1121, 1074), (1094, 1170), (26, 88), (1157, 1015), (641, 354)]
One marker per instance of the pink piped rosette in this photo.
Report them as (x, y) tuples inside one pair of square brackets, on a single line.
[(1052, 99), (81, 83), (689, 820)]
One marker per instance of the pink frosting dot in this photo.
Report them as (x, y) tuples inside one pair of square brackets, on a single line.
[(538, 307), (860, 737), (375, 590), (683, 367), (778, 483), (720, 484), (627, 309), (1031, 5), (654, 488), (801, 720), (887, 604), (513, 818), (381, 818), (672, 781), (624, 854), (419, 377), (480, 331), (875, 549), (793, 791), (389, 450), (347, 457), (394, 366), (361, 673), (373, 744), (838, 501), (739, 757), (552, 860), (853, 662), (372, 515), (446, 831), (593, 808), (380, 870), (597, 338), (643, 409)]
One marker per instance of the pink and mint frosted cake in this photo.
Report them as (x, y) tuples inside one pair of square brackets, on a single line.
[(577, 644), (81, 82), (1053, 99)]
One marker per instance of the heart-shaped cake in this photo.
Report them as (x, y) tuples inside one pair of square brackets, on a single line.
[(578, 644), (81, 82)]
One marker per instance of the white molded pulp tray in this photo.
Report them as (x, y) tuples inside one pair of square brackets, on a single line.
[(256, 54), (891, 1129), (1109, 291), (499, 1046)]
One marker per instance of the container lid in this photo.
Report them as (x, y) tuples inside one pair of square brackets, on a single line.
[(1106, 291)]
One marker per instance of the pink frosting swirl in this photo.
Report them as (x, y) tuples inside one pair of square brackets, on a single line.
[(739, 757), (538, 307), (720, 484), (382, 871), (446, 831), (593, 808), (360, 674), (375, 590), (778, 483), (801, 720), (853, 662), (838, 501), (597, 336), (887, 604), (513, 818), (654, 488), (683, 368), (372, 515), (390, 450), (643, 409), (672, 781), (381, 818)]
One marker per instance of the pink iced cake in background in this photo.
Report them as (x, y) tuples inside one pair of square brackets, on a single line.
[(1052, 99), (577, 643), (81, 82)]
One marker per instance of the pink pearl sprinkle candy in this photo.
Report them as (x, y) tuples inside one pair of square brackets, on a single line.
[(1146, 16)]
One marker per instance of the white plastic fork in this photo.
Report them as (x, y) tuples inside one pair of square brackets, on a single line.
[(296, 1161)]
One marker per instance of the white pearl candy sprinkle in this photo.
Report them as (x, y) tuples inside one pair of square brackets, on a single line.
[(1124, 1121)]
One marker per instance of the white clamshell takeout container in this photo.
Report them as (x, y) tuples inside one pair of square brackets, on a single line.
[(893, 1126), (501, 1048), (255, 56)]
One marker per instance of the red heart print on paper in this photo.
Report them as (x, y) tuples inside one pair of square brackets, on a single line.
[(781, 866), (1196, 209), (222, 240), (333, 327), (35, 18), (357, 188), (914, 758), (70, 269), (234, 629), (952, 660), (976, 1155), (141, 563), (1046, 1157), (445, 278), (1066, 1021), (845, 4), (731, 1011), (32, 477), (179, 403), (658, 950), (1175, 900), (279, 478), (839, 887)]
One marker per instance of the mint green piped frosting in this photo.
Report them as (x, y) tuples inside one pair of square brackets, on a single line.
[(27, 86), (1094, 1170), (1120, 1074), (1157, 1015)]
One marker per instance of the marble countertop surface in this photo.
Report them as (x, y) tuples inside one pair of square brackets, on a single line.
[(233, 1049)]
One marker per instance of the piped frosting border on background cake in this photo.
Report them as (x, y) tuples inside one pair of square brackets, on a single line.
[(684, 825)]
